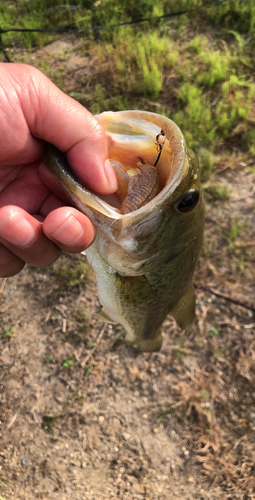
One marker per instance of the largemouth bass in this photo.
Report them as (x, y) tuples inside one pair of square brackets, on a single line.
[(150, 233)]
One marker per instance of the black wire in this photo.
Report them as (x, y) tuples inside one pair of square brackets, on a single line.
[(107, 26)]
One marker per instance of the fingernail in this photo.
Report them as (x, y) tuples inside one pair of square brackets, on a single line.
[(110, 175), (17, 230), (69, 232)]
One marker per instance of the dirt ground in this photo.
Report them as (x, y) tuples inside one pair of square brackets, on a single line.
[(81, 421)]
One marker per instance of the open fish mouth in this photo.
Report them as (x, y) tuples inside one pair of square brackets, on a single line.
[(146, 151), (135, 139)]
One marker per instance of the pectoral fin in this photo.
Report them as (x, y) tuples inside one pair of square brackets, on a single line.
[(184, 311), (102, 314)]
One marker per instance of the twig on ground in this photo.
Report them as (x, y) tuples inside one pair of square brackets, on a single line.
[(85, 360), (225, 297), (3, 285), (12, 421)]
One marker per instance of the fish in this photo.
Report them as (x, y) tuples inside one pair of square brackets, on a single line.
[(150, 232)]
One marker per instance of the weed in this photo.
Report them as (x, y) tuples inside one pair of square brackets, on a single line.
[(91, 344), (49, 420), (219, 352), (197, 44), (77, 396), (219, 192), (234, 231), (7, 332), (82, 318), (49, 359), (70, 273), (54, 319), (88, 369), (68, 362), (215, 69), (182, 352), (98, 100), (58, 78), (213, 331), (206, 160), (196, 118)]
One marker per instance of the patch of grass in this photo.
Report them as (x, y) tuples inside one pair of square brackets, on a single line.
[(195, 120), (70, 273), (7, 332), (219, 192), (213, 331), (68, 362), (88, 369), (82, 319), (215, 68), (206, 160), (219, 352), (182, 352), (49, 359), (98, 100), (91, 344), (49, 420), (235, 230), (54, 319)]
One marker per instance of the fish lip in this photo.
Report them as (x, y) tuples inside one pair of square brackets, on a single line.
[(179, 144)]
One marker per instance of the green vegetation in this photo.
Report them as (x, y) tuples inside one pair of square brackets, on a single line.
[(49, 420), (213, 331), (205, 81), (49, 359), (68, 362), (219, 192), (91, 344), (88, 369), (7, 331), (235, 230), (69, 273)]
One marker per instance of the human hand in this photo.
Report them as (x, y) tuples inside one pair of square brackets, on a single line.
[(35, 221)]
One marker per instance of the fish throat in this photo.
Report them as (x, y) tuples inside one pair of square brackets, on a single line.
[(138, 186)]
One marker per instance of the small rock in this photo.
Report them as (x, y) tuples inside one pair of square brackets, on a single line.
[(25, 461), (126, 436)]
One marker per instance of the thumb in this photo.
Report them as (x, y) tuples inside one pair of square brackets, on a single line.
[(55, 117)]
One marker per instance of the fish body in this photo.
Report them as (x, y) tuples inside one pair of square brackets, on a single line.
[(143, 259)]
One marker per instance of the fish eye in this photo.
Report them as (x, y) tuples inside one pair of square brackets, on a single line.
[(188, 202)]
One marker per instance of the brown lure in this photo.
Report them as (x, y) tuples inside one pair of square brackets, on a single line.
[(142, 188)]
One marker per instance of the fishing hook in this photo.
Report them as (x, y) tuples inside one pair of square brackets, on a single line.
[(159, 145)]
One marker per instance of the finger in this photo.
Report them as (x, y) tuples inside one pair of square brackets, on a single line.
[(69, 229), (10, 264), (23, 235), (56, 118)]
